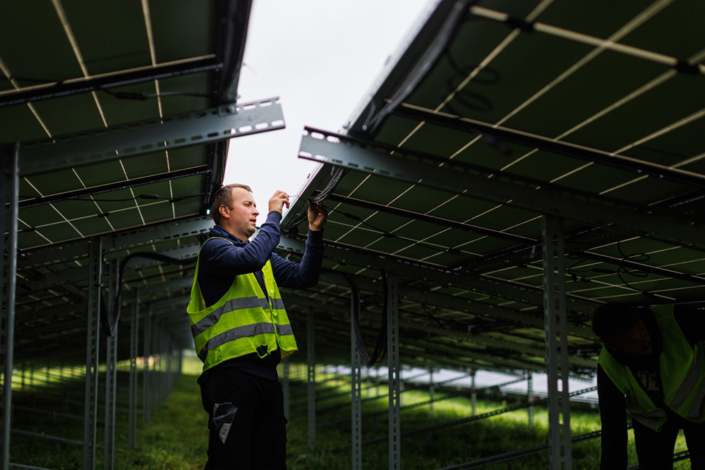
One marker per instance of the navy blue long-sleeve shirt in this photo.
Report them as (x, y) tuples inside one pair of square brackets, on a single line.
[(221, 261)]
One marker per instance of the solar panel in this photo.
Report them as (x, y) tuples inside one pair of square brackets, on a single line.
[(527, 110)]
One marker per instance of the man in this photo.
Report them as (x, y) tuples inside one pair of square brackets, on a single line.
[(652, 366), (241, 329)]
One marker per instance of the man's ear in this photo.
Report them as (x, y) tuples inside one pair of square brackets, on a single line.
[(224, 212)]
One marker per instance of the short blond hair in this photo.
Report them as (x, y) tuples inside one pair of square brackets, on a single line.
[(224, 197)]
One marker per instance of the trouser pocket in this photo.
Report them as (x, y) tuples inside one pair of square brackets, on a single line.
[(222, 417)]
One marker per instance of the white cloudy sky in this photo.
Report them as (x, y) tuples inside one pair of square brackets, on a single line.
[(321, 57)]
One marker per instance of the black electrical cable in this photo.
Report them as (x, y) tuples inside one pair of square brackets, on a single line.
[(386, 234), (108, 321), (127, 95), (381, 344), (620, 271), (322, 195)]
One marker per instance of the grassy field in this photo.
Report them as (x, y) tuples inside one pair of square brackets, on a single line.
[(176, 435)]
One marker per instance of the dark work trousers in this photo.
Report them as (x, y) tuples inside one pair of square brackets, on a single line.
[(246, 421), (655, 449)]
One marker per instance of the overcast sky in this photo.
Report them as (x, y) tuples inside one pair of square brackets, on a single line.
[(321, 57)]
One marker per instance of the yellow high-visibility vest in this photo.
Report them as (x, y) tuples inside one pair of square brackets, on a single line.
[(242, 321), (682, 376)]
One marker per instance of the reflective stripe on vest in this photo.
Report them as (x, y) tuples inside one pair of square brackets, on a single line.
[(233, 334), (230, 306), (682, 376), (697, 405), (690, 382), (244, 320), (243, 332), (651, 418)]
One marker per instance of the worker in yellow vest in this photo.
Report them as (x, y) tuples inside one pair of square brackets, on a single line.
[(241, 329), (651, 366)]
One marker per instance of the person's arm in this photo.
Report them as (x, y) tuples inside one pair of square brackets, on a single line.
[(613, 414), (222, 258), (691, 322), (304, 274)]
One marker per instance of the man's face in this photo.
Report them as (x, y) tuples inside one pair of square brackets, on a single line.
[(243, 214), (635, 342)]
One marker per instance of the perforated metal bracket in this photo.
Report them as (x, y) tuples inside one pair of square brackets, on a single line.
[(470, 180), (138, 138)]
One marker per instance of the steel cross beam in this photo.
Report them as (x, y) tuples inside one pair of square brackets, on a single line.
[(431, 219), (106, 188), (127, 140), (117, 241), (54, 314), (157, 307), (77, 86), (183, 253), (485, 340), (429, 358), (549, 145), (471, 181), (498, 363), (491, 342), (457, 304), (168, 286), (434, 273)]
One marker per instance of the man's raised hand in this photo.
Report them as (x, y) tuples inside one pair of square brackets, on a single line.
[(278, 201)]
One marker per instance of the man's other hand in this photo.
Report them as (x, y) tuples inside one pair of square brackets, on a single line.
[(317, 216)]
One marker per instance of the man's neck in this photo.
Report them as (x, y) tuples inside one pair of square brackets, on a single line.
[(242, 238)]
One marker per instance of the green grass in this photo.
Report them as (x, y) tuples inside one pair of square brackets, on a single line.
[(176, 435)]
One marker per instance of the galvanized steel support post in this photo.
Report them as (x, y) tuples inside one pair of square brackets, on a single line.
[(156, 365), (181, 361), (311, 380), (530, 397), (9, 194), (556, 344), (473, 393), (394, 372), (168, 378), (134, 338), (146, 359), (111, 375), (377, 382), (92, 353), (355, 390), (431, 388)]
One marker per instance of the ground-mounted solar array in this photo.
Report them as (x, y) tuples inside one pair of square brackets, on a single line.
[(508, 142)]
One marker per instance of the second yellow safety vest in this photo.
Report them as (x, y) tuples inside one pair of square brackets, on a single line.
[(682, 376)]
